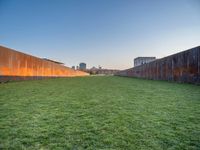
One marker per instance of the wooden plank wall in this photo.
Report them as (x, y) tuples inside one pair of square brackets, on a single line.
[(15, 65), (180, 67)]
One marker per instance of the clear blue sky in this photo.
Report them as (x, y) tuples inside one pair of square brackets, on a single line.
[(109, 33)]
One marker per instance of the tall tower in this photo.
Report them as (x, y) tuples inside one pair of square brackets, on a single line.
[(82, 66)]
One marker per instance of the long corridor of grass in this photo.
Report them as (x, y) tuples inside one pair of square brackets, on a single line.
[(99, 113)]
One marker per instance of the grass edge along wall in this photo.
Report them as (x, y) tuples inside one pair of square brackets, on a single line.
[(180, 67), (15, 65)]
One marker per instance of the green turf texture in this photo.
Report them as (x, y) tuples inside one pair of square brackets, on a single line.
[(104, 112)]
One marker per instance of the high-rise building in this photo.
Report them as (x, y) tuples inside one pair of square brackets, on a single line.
[(82, 66)]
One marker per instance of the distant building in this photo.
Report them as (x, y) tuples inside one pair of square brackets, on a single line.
[(143, 60), (73, 67), (100, 71), (82, 66), (94, 68)]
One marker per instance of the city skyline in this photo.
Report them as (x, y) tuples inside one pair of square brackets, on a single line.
[(106, 33)]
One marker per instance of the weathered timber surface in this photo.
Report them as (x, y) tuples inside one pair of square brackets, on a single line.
[(15, 65), (180, 67)]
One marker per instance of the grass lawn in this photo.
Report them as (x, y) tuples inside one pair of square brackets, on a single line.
[(99, 113)]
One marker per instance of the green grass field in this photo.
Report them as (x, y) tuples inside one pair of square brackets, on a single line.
[(99, 113)]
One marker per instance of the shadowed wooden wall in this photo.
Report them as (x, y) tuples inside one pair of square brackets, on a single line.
[(180, 67)]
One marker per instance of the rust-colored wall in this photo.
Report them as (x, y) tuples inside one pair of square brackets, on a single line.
[(15, 65), (180, 67)]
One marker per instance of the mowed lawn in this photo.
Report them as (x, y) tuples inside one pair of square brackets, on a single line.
[(99, 113)]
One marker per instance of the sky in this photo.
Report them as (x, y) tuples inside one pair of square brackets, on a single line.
[(109, 33)]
